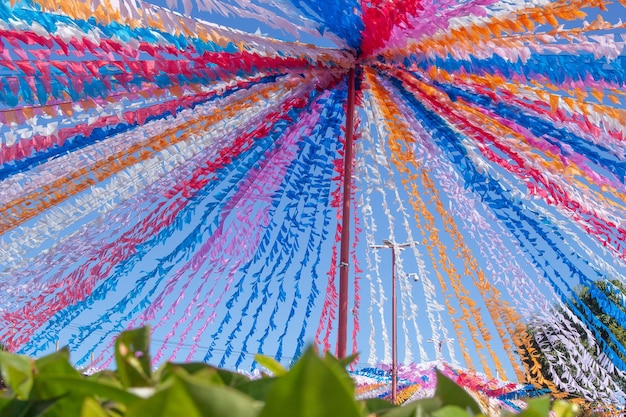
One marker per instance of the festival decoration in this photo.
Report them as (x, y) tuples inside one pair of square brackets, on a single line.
[(158, 168), (419, 381)]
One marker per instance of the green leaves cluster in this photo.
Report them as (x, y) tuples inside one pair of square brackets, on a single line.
[(313, 387)]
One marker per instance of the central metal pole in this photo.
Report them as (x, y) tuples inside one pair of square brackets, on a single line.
[(342, 327), (394, 323)]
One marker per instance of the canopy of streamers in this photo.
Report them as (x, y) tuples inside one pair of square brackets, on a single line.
[(157, 168)]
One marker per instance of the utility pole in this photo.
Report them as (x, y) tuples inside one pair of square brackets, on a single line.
[(439, 348), (387, 244)]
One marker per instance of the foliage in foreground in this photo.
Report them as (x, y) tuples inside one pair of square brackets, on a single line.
[(313, 387)]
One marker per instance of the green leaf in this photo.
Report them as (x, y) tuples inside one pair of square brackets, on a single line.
[(376, 406), (91, 408), (312, 388), (56, 364), (17, 373), (171, 401), (537, 407), (208, 376), (531, 413), (92, 388), (113, 409), (133, 359), (565, 409), (165, 370), (258, 389), (4, 402), (451, 411), (10, 407), (106, 377), (18, 408), (201, 370), (345, 362), (76, 405), (184, 395), (452, 394), (232, 379), (66, 406), (215, 400), (422, 407), (270, 364), (340, 369)]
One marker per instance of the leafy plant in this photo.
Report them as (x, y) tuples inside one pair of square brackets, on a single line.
[(314, 387), (3, 348)]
